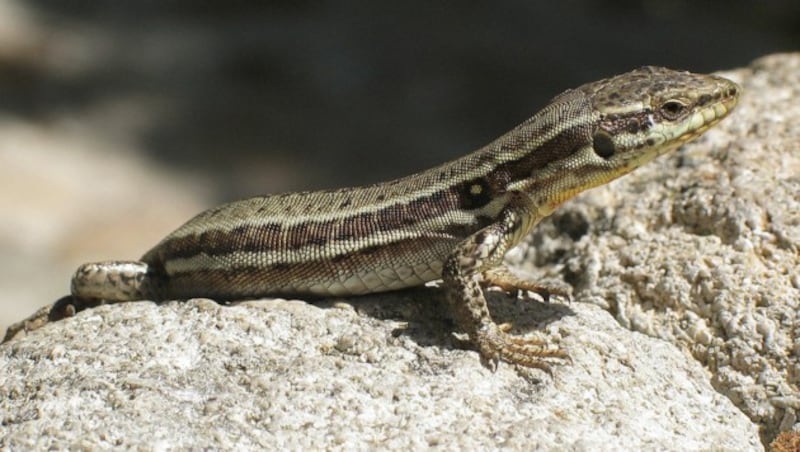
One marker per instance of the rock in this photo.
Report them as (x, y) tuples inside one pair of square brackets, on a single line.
[(288, 374)]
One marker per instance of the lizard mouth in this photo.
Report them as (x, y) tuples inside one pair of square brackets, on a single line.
[(696, 123), (702, 120)]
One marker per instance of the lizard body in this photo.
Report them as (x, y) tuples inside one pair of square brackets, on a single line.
[(455, 221)]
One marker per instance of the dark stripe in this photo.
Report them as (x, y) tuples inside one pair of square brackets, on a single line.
[(632, 123), (561, 146), (571, 105), (273, 236), (294, 279)]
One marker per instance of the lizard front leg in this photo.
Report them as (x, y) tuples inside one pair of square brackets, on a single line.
[(463, 276)]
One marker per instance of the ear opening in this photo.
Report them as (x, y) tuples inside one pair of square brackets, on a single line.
[(603, 144)]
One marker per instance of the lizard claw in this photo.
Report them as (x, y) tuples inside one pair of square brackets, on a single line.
[(495, 344)]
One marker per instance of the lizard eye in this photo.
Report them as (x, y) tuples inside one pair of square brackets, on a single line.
[(673, 109)]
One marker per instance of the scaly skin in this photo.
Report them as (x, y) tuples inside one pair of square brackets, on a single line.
[(454, 222)]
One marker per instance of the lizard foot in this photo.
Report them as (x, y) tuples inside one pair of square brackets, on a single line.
[(495, 344)]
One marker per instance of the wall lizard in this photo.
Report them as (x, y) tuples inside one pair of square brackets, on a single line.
[(454, 222)]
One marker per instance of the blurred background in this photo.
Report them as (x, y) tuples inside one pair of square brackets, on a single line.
[(121, 120)]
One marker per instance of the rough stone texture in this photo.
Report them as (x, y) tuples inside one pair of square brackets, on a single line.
[(702, 248), (698, 250), (278, 374)]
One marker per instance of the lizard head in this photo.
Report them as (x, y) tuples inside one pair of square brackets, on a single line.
[(605, 129), (649, 111)]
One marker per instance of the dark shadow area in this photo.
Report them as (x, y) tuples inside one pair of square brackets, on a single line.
[(266, 96)]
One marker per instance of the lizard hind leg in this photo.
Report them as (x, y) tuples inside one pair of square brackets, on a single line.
[(112, 281)]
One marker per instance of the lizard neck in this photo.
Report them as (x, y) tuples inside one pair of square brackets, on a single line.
[(529, 160)]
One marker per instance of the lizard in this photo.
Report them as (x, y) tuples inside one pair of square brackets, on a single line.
[(453, 222)]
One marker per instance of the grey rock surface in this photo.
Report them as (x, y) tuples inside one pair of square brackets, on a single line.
[(694, 260), (278, 374)]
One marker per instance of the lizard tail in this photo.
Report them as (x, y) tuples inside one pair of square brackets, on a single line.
[(114, 281)]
